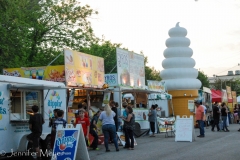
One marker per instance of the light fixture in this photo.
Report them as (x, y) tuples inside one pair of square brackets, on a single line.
[(185, 94)]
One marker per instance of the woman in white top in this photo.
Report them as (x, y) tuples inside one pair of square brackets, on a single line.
[(108, 126)]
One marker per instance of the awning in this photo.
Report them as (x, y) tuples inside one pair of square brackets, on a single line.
[(138, 91), (32, 86), (216, 95), (208, 90)]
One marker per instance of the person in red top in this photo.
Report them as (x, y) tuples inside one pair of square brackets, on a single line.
[(200, 117), (81, 106), (85, 124)]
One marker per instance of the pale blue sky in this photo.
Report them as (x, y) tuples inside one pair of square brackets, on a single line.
[(142, 25)]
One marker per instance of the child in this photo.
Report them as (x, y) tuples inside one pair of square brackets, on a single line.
[(81, 107), (35, 125), (59, 120), (93, 131), (85, 124)]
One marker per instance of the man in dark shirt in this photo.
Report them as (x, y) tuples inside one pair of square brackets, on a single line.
[(35, 125), (216, 116)]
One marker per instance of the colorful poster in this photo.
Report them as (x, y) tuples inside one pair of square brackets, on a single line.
[(158, 86), (65, 145), (83, 69), (234, 96), (229, 93), (49, 73), (162, 124), (191, 104), (141, 114), (130, 68), (106, 98), (111, 79)]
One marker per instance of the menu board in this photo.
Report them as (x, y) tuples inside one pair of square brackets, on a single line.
[(156, 86), (83, 69), (49, 73), (130, 68), (184, 129)]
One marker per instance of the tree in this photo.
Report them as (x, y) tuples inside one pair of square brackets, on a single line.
[(150, 72), (233, 83), (33, 32), (204, 79)]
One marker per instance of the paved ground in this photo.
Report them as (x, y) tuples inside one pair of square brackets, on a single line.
[(215, 146)]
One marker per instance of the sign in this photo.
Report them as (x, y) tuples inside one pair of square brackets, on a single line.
[(158, 86), (83, 69), (54, 99), (141, 116), (130, 68), (161, 124), (49, 73), (234, 96), (229, 94), (106, 98), (111, 79), (191, 104), (71, 97), (70, 144), (184, 129)]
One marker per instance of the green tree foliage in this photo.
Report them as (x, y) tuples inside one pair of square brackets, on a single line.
[(233, 83), (33, 32), (151, 73), (204, 79)]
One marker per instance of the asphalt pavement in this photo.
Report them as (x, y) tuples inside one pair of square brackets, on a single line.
[(214, 146)]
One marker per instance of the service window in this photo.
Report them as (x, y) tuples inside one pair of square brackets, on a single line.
[(22, 102)]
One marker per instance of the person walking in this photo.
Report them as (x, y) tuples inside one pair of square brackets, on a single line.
[(152, 119), (216, 117), (129, 124), (224, 113), (200, 118), (108, 126)]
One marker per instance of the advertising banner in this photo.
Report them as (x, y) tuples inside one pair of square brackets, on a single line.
[(234, 96), (83, 69), (111, 79), (224, 96), (229, 94), (156, 86), (130, 68), (70, 144), (49, 73)]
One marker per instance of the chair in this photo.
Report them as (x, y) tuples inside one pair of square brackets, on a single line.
[(138, 132)]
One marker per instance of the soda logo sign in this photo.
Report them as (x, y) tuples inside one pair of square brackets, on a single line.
[(110, 79), (64, 142), (3, 110), (1, 99), (54, 100)]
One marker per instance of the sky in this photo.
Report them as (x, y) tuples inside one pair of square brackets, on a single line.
[(142, 25)]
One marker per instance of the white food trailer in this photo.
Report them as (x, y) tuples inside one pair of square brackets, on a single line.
[(17, 96)]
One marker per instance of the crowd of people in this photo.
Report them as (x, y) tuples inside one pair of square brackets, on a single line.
[(221, 117)]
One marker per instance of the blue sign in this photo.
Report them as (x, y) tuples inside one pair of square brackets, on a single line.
[(65, 145), (111, 79)]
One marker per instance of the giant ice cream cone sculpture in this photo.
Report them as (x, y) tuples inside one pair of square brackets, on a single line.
[(179, 75)]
